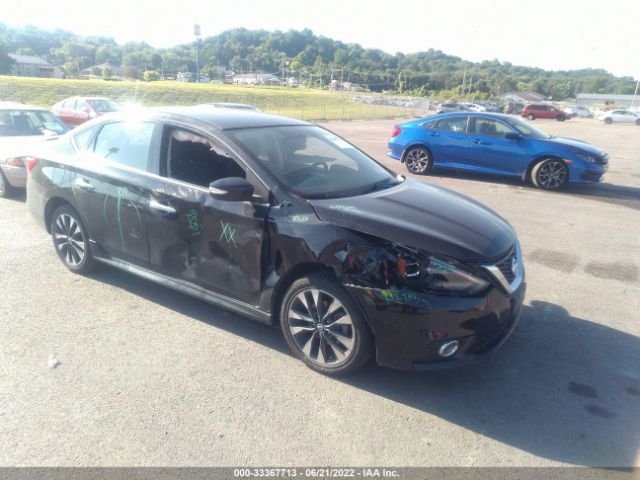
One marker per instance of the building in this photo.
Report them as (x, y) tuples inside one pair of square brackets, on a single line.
[(116, 72), (30, 66), (606, 99), (186, 77), (256, 79), (522, 98)]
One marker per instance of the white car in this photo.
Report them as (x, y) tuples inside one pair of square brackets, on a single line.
[(580, 111), (21, 126), (620, 116)]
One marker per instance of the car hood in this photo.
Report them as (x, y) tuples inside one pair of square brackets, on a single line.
[(423, 216), (575, 144), (17, 146)]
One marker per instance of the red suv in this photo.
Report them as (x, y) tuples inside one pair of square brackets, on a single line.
[(541, 110)]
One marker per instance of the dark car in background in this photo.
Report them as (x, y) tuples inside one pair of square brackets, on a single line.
[(287, 223), (491, 143), (21, 127), (76, 110), (543, 110)]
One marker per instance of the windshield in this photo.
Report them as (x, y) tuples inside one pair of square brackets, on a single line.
[(313, 162), (104, 106), (14, 123), (526, 129)]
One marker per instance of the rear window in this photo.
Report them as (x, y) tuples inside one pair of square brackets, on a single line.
[(18, 123)]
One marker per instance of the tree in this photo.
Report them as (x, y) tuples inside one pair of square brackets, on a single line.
[(107, 73), (6, 62)]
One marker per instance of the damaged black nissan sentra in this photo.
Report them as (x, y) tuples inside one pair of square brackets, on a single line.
[(287, 223)]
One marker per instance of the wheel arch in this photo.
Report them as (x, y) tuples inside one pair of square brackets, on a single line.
[(52, 205), (414, 145)]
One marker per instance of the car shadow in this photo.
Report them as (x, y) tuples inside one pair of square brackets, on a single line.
[(562, 388), (18, 197), (605, 192)]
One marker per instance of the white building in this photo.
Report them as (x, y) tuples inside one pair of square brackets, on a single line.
[(606, 99), (256, 79)]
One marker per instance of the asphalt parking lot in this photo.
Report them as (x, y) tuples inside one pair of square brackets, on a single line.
[(151, 377)]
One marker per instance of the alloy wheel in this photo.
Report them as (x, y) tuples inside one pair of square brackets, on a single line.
[(69, 240), (321, 327), (552, 174), (417, 160)]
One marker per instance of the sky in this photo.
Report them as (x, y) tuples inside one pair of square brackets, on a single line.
[(553, 35)]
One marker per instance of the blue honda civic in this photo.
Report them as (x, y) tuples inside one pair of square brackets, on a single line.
[(496, 144)]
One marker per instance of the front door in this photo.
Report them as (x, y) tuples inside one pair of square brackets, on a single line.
[(192, 236), (491, 152)]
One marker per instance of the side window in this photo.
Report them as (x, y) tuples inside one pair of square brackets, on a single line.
[(453, 124), (488, 126), (196, 159), (81, 106), (81, 139), (429, 124), (125, 143), (69, 104)]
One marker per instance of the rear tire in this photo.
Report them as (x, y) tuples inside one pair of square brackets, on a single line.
[(608, 121), (6, 189), (323, 325), (71, 241), (549, 174), (638, 122), (418, 160)]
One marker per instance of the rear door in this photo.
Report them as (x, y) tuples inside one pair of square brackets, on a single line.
[(449, 141), (111, 187), (491, 152), (81, 113), (215, 244), (67, 111)]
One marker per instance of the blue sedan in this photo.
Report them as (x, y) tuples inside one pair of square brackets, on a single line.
[(496, 144)]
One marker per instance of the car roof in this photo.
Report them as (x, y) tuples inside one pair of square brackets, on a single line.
[(499, 116), (221, 118), (19, 106)]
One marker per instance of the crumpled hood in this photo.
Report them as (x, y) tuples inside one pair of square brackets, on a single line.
[(424, 216), (18, 146), (576, 145)]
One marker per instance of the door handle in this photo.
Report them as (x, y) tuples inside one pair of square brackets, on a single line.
[(477, 140), (163, 208), (434, 134), (84, 184)]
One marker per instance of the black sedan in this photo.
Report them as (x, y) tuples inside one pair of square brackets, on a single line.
[(289, 224)]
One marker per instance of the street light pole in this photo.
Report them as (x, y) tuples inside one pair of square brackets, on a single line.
[(196, 32), (633, 100)]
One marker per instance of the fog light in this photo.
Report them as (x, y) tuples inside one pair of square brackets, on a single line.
[(449, 349)]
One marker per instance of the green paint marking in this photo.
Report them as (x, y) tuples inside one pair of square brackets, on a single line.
[(228, 232)]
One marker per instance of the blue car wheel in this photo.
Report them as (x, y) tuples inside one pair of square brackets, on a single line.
[(418, 160), (550, 174)]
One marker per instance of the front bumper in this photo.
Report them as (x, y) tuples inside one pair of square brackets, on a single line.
[(587, 173), (410, 327), (16, 176)]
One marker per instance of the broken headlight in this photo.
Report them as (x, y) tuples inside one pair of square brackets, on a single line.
[(436, 274)]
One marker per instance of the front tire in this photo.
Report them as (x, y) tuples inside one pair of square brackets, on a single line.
[(418, 160), (530, 117), (324, 327), (6, 189), (71, 241), (608, 121), (560, 118), (638, 122), (550, 174)]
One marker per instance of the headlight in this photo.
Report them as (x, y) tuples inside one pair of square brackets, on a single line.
[(436, 274), (586, 157)]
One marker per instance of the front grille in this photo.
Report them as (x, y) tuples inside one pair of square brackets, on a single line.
[(506, 266)]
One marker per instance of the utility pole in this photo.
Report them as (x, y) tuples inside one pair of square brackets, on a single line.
[(196, 32), (633, 100)]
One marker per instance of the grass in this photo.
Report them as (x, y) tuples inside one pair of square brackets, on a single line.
[(292, 102)]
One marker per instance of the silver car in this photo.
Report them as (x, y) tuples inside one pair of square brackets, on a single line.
[(22, 127)]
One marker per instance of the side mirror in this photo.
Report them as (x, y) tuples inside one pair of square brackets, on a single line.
[(231, 189), (513, 136)]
